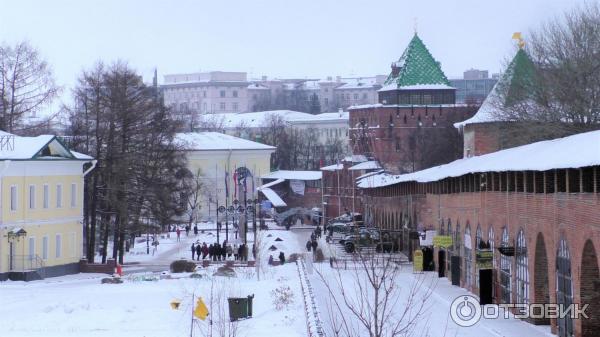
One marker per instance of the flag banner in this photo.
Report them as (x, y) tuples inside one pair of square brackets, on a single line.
[(201, 310), (226, 185), (297, 186)]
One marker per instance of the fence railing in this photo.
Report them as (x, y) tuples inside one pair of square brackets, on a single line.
[(24, 263), (314, 324)]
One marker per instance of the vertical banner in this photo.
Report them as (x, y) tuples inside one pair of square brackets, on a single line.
[(418, 261)]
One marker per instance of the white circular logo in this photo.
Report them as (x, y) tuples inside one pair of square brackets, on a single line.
[(465, 310)]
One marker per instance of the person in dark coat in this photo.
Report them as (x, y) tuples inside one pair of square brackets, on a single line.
[(314, 245), (204, 250), (198, 251), (318, 232), (195, 229), (241, 252), (308, 245), (281, 258), (193, 251), (223, 252)]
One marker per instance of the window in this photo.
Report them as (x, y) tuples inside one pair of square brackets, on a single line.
[(46, 196), (204, 94), (505, 270), (235, 93), (355, 96), (13, 198), (222, 93), (72, 242), (235, 106), (45, 248), (73, 195), (31, 196), (222, 106), (522, 269), (468, 257), (31, 247), (58, 196), (58, 246), (204, 107)]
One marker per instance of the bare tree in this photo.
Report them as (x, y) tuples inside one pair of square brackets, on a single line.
[(557, 92), (368, 299), (26, 84), (193, 192)]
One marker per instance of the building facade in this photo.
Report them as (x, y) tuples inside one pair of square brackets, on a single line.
[(41, 230), (534, 206), (215, 158)]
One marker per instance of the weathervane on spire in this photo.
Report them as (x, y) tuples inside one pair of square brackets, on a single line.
[(416, 24), (520, 42)]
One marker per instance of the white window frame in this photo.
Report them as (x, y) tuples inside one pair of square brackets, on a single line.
[(14, 198), (73, 195), (31, 247), (31, 196), (59, 193), (58, 245), (46, 201)]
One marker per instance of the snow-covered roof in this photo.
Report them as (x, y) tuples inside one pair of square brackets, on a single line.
[(334, 167), (322, 117), (367, 165), (257, 86), (256, 119), (81, 156), (272, 183), (46, 147), (355, 158), (394, 86), (575, 151), (358, 83), (294, 175), (273, 197), (211, 141)]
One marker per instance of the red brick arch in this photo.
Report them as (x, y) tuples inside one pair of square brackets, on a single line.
[(541, 292), (590, 290)]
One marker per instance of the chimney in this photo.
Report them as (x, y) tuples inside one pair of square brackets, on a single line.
[(395, 70)]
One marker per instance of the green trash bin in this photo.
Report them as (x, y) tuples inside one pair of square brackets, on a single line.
[(240, 307)]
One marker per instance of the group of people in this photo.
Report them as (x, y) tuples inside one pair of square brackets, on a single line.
[(177, 230), (312, 244), (219, 252)]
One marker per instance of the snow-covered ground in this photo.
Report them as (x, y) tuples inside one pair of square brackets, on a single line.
[(79, 305)]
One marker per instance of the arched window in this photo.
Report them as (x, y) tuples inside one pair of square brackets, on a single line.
[(491, 239), (564, 287), (449, 249), (457, 239), (468, 257), (478, 239), (505, 269), (522, 268)]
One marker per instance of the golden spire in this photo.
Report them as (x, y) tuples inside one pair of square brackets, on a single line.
[(520, 42)]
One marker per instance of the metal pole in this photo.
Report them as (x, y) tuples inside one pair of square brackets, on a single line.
[(192, 321)]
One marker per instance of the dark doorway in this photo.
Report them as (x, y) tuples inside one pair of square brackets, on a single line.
[(455, 268), (428, 264), (441, 263), (540, 277), (486, 286), (590, 290)]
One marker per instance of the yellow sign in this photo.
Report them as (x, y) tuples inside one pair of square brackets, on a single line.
[(443, 241), (417, 261), (201, 310), (485, 259)]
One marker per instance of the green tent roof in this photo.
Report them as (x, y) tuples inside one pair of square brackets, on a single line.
[(519, 80), (417, 67)]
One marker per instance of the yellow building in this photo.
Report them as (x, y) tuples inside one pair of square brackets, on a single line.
[(216, 157), (41, 203)]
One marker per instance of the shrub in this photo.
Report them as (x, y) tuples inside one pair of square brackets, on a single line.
[(283, 297), (319, 256), (181, 266), (293, 257)]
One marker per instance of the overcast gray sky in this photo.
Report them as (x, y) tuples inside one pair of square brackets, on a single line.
[(278, 38)]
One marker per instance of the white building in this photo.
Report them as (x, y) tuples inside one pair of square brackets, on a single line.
[(210, 92)]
